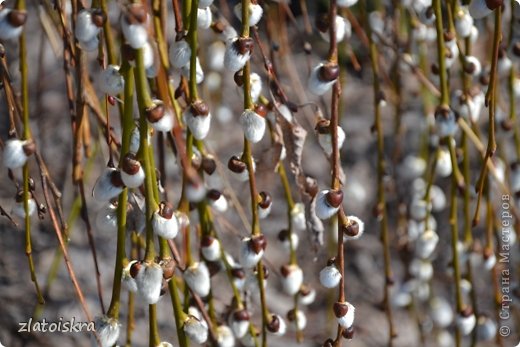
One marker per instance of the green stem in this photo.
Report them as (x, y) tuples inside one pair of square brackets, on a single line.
[(441, 56)]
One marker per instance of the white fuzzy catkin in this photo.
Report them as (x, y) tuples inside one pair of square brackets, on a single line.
[(441, 312), (444, 167), (463, 22), (165, 124), (291, 242), (308, 298), (204, 18), (106, 219), (220, 204), (164, 344), (486, 328), (346, 3), (198, 279), (282, 327), (198, 125), (195, 192), (7, 30), (233, 60), (225, 337), (107, 329), (317, 86), (263, 213), (211, 252), (255, 13), (347, 320), (325, 141), (323, 209), (475, 64), (293, 281), (239, 327), (421, 269), (149, 282), (479, 9), (135, 34), (85, 30), (343, 30), (361, 228), (14, 155), (180, 53), (253, 125), (466, 324), (164, 227), (426, 243), (195, 330), (300, 320), (248, 257), (298, 217), (135, 180), (110, 81), (19, 208), (104, 189), (127, 279), (330, 276), (256, 86)]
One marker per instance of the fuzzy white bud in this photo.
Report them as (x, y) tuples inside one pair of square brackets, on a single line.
[(347, 3), (325, 141), (195, 329), (255, 13), (343, 30), (324, 208), (253, 125), (136, 34), (19, 208), (426, 243), (15, 153), (233, 59), (110, 81), (298, 217), (316, 84), (106, 219), (86, 30), (330, 276), (127, 279), (344, 312), (108, 186), (149, 282), (107, 329), (466, 323), (292, 278), (225, 336), (198, 279), (180, 53), (204, 18), (165, 222), (199, 125), (441, 312)]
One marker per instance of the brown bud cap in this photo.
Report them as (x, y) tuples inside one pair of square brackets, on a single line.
[(241, 315), (507, 124), (285, 270), (258, 243), (348, 333), (494, 4), (434, 68), (136, 13), (351, 229), (134, 269), (291, 315), (128, 53), (484, 79), (238, 77), (340, 309), (218, 27), (166, 209), (29, 147), (213, 194), (17, 18), (390, 280), (488, 253), (469, 68), (283, 235), (261, 110), (115, 179), (334, 198), (328, 72), (515, 165), (156, 112), (208, 165), (429, 12), (449, 36), (199, 108), (214, 267), (98, 17), (516, 49), (322, 22), (274, 325), (19, 196), (502, 52), (442, 111), (207, 241), (130, 164), (168, 267), (466, 311), (305, 290), (328, 343), (331, 261), (244, 45), (311, 186), (238, 273), (236, 165), (265, 200), (323, 126)]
